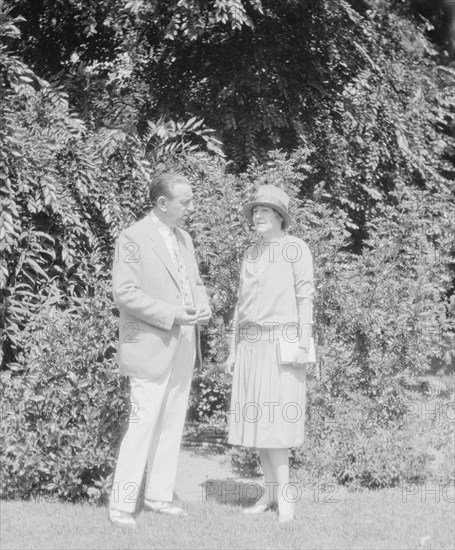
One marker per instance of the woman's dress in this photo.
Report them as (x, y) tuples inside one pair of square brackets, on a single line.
[(275, 302)]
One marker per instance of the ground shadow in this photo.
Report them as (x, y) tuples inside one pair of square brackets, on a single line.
[(232, 492)]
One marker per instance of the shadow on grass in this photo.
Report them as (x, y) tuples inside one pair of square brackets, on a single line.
[(232, 492)]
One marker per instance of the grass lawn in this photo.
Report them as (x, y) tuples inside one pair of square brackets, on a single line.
[(369, 519)]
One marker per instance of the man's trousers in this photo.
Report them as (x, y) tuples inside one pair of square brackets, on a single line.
[(158, 410)]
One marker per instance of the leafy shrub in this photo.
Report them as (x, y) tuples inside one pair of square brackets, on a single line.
[(381, 316), (210, 393), (68, 187), (245, 461), (67, 190), (63, 413), (373, 314), (349, 446)]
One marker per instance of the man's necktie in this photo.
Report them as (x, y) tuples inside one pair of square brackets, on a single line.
[(182, 271)]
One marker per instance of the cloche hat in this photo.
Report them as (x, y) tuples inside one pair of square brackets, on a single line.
[(272, 196)]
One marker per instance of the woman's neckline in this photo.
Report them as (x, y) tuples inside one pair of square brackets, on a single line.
[(278, 240)]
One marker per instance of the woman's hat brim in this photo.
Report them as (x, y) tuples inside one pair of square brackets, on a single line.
[(248, 211)]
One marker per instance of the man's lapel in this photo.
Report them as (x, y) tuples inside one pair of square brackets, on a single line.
[(161, 249)]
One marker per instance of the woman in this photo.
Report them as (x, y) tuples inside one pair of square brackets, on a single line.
[(272, 339)]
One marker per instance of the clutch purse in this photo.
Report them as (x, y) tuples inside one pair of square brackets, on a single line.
[(289, 349)]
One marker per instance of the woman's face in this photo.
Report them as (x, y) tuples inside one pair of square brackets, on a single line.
[(266, 220)]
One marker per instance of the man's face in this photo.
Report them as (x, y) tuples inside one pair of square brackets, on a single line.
[(179, 205)]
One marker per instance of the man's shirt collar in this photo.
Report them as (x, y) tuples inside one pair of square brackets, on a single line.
[(164, 229)]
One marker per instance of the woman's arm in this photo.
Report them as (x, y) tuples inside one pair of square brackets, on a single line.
[(304, 292)]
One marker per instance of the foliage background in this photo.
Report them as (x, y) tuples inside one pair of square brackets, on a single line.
[(347, 105)]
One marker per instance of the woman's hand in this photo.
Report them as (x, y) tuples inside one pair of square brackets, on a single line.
[(300, 358)]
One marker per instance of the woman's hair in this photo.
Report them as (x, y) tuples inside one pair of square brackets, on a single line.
[(162, 185), (279, 216)]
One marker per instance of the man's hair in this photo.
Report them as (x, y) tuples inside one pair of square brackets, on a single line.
[(163, 184)]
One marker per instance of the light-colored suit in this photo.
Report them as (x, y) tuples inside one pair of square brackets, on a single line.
[(147, 290), (157, 355)]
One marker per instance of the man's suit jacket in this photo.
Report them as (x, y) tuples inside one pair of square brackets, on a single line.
[(147, 290)]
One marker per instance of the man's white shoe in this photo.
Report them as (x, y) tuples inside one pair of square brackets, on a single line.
[(121, 518), (161, 507)]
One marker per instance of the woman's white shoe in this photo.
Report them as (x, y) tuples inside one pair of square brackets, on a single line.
[(286, 512)]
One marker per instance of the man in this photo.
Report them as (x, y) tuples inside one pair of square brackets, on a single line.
[(162, 301)]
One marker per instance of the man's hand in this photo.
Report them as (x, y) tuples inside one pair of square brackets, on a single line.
[(300, 358), (187, 315), (204, 314)]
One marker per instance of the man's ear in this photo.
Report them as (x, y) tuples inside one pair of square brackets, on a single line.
[(161, 203)]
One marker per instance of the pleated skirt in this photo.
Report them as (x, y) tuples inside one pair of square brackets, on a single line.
[(268, 399)]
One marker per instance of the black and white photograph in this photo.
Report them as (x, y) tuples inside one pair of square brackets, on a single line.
[(227, 274)]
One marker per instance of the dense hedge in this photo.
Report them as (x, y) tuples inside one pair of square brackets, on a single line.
[(375, 211), (63, 417), (376, 315)]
